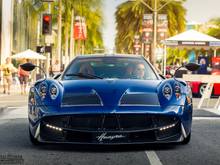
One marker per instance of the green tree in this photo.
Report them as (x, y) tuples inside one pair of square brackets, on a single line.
[(33, 9), (26, 19), (91, 10), (129, 17), (214, 27)]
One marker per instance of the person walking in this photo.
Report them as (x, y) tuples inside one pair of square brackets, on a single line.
[(56, 68), (7, 69), (23, 78)]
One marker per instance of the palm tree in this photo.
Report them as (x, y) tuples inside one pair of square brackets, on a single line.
[(91, 10), (214, 27), (26, 19), (129, 21)]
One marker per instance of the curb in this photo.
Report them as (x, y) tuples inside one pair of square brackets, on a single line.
[(2, 109)]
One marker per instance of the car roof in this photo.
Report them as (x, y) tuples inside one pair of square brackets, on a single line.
[(109, 55)]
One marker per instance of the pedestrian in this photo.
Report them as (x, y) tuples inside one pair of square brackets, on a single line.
[(7, 69), (56, 68), (23, 78)]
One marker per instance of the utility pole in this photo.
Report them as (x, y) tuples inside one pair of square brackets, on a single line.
[(154, 44), (156, 8), (72, 41), (59, 33)]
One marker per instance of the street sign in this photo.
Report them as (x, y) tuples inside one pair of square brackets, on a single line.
[(44, 49), (147, 28), (40, 49), (136, 44), (80, 29), (162, 26)]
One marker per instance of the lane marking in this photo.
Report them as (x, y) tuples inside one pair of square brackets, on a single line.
[(18, 107), (206, 118), (212, 110), (153, 158), (12, 101)]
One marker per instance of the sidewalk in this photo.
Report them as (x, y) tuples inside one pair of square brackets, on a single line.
[(15, 89), (15, 99)]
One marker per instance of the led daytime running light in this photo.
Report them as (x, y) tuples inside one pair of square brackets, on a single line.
[(53, 127), (167, 127)]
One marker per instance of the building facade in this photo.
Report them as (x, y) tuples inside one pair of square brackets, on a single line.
[(6, 20)]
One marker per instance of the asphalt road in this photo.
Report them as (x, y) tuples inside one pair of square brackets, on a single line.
[(15, 147)]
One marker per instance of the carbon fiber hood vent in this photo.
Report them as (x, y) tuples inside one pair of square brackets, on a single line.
[(81, 99), (139, 99)]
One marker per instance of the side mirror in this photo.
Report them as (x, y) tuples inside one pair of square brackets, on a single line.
[(28, 66), (57, 76), (189, 66), (192, 66), (162, 76)]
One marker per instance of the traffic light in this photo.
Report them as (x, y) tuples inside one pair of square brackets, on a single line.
[(47, 24)]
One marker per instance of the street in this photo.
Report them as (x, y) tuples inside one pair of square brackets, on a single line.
[(120, 67), (203, 148)]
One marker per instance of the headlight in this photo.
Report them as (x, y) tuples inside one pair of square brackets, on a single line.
[(53, 91), (177, 91), (167, 91), (43, 90)]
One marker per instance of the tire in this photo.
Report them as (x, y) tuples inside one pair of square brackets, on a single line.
[(187, 139), (202, 89), (33, 140)]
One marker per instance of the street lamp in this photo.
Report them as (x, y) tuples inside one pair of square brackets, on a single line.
[(155, 10)]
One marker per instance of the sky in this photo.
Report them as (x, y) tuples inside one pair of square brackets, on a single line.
[(197, 11), (202, 10)]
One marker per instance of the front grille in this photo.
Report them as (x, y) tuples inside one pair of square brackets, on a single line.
[(110, 122), (87, 128)]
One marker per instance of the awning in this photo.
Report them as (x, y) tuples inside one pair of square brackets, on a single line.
[(192, 39)]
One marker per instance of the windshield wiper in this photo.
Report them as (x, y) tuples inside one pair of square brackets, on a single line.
[(87, 75)]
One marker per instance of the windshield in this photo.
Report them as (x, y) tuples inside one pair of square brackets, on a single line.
[(109, 68)]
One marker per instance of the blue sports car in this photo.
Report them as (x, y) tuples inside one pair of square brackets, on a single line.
[(109, 99)]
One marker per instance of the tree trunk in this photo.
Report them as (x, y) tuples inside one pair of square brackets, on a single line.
[(66, 46), (59, 32), (72, 42)]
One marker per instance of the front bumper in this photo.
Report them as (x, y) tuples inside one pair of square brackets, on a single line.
[(125, 125), (110, 129)]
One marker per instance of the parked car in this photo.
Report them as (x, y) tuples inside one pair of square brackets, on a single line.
[(109, 99)]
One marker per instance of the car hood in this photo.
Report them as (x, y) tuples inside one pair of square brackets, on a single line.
[(110, 90)]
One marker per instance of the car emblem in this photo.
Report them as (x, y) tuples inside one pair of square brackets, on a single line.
[(104, 136)]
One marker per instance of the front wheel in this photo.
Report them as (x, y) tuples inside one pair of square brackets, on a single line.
[(33, 140), (187, 139)]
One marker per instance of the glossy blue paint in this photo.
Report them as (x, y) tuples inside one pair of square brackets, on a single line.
[(110, 92)]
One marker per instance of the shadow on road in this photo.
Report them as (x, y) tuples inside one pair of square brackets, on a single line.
[(20, 139), (106, 148)]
